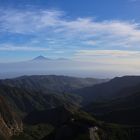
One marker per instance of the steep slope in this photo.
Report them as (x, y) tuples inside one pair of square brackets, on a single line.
[(113, 89), (10, 124)]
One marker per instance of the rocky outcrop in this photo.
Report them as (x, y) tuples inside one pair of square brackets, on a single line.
[(93, 133), (10, 124)]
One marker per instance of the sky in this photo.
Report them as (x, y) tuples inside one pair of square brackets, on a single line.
[(106, 32)]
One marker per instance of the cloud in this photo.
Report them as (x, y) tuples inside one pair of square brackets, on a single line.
[(108, 53), (9, 47), (53, 28), (90, 42), (109, 57), (134, 0), (28, 21), (94, 45), (107, 33)]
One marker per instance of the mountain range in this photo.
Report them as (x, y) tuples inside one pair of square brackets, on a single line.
[(60, 107)]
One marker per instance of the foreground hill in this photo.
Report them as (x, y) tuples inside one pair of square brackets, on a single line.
[(70, 123)]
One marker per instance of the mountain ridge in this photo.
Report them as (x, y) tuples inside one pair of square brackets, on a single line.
[(108, 90), (34, 97)]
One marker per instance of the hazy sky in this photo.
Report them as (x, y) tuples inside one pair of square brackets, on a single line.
[(101, 31)]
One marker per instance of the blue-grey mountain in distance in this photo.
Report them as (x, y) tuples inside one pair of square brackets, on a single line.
[(43, 58), (42, 65), (40, 58)]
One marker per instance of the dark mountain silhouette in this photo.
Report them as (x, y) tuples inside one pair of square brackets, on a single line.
[(109, 90), (71, 123), (68, 122), (55, 116), (124, 110)]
